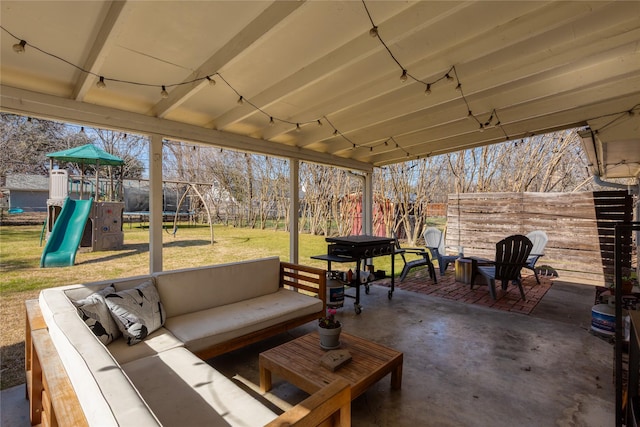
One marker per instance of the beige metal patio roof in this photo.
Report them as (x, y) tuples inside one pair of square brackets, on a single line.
[(515, 69)]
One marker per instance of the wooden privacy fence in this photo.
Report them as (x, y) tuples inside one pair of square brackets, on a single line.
[(579, 227)]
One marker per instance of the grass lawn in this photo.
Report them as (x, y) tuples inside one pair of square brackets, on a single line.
[(21, 278)]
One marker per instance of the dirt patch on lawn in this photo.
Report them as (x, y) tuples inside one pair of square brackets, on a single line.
[(12, 328)]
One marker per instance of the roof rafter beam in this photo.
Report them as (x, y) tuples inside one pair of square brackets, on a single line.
[(113, 22), (261, 25), (330, 64)]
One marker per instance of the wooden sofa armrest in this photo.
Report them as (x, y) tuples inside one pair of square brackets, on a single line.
[(311, 280), (53, 399), (329, 406)]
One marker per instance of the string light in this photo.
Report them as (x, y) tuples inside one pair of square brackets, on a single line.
[(449, 76), (19, 47)]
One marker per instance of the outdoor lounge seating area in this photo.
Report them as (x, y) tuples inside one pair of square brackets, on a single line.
[(154, 374)]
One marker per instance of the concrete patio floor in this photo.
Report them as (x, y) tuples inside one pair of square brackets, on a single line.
[(464, 365)]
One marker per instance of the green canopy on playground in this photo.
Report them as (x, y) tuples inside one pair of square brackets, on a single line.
[(88, 154)]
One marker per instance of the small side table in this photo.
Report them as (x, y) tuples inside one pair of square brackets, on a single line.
[(464, 270)]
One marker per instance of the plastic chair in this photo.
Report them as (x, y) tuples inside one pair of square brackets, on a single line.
[(539, 239), (408, 265), (434, 240), (511, 256)]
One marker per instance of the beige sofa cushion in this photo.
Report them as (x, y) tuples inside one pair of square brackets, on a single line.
[(191, 290), (105, 394), (205, 328), (158, 341), (182, 390)]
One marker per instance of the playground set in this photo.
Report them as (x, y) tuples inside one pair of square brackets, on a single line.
[(82, 212), (87, 212)]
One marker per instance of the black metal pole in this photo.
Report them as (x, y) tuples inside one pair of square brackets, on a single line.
[(617, 262)]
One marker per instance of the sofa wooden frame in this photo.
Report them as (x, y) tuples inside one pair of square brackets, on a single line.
[(53, 401)]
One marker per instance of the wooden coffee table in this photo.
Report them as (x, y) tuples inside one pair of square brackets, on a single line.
[(298, 361)]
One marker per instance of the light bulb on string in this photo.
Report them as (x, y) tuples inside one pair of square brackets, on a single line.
[(319, 123), (211, 81), (164, 92), (470, 114), (459, 87), (82, 130), (335, 132), (271, 122), (298, 127), (373, 32), (427, 91), (101, 84), (448, 77), (403, 77), (481, 127), (19, 47), (241, 100)]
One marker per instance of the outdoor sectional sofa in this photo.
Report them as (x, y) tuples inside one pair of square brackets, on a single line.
[(156, 377)]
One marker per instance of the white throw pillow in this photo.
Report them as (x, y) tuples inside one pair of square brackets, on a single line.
[(95, 313), (137, 312)]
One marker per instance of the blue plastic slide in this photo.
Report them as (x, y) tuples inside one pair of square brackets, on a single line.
[(64, 239)]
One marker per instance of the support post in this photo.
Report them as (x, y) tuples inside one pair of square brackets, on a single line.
[(294, 191), (367, 204), (155, 204)]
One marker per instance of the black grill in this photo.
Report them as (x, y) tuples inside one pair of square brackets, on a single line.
[(360, 246)]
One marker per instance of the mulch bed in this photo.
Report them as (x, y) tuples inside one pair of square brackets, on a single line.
[(418, 281)]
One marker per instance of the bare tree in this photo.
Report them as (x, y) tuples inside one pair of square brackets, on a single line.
[(25, 142)]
